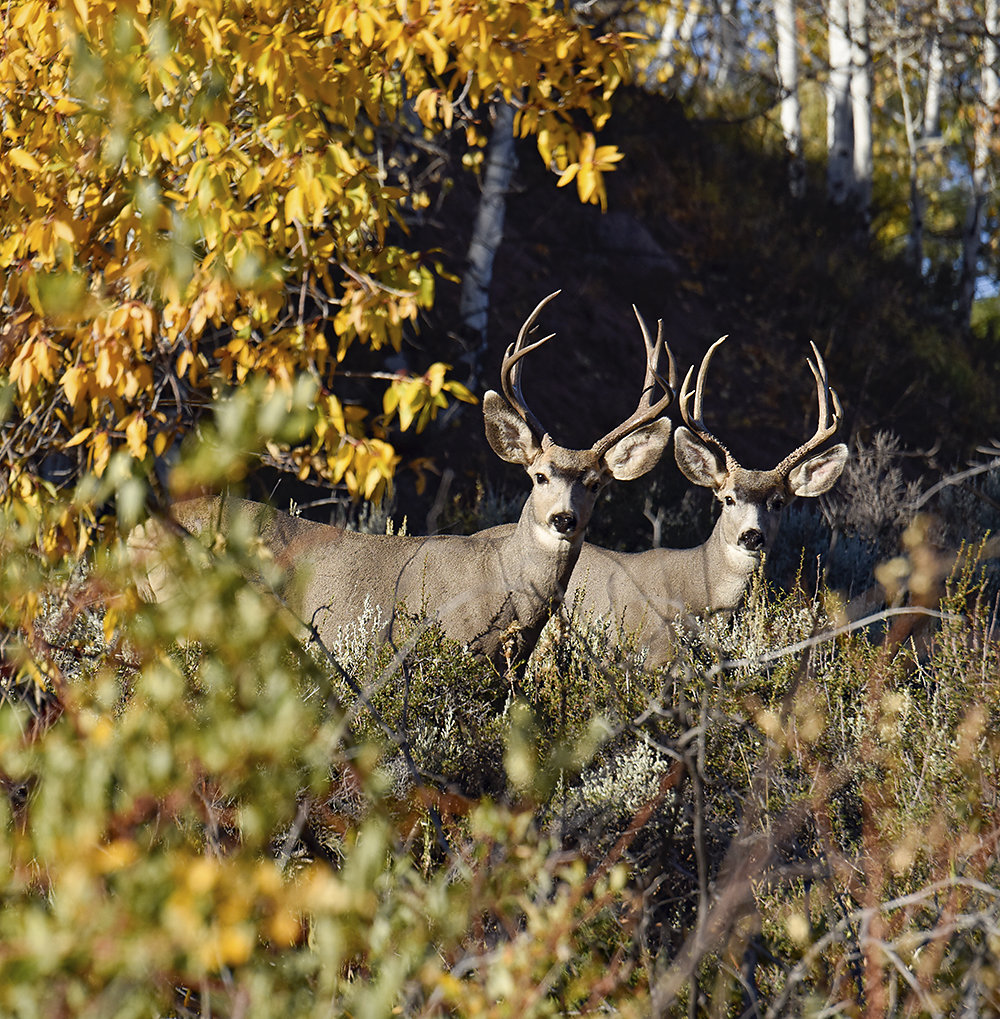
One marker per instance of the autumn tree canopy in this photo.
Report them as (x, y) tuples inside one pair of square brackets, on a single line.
[(194, 194)]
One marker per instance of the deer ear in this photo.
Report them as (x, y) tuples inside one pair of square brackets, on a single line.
[(509, 435), (819, 473), (700, 463), (630, 457)]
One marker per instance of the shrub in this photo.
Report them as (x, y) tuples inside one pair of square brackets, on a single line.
[(202, 816)]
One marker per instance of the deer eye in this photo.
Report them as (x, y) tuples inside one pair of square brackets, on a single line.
[(541, 479), (592, 484), (776, 502), (730, 500)]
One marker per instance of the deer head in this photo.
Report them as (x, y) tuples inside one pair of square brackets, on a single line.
[(566, 482), (752, 500)]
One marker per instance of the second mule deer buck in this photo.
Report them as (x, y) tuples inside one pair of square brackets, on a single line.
[(493, 590), (643, 592)]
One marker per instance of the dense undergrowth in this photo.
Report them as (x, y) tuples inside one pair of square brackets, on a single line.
[(202, 817)]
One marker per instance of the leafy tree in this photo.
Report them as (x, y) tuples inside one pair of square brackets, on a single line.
[(198, 194), (897, 100)]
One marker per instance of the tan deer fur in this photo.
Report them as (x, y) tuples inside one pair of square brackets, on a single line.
[(645, 592), (493, 590)]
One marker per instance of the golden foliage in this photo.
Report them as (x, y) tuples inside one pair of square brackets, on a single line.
[(194, 194)]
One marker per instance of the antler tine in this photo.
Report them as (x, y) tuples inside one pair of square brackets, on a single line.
[(693, 417), (818, 367), (830, 412), (654, 351), (647, 410), (699, 389), (510, 369)]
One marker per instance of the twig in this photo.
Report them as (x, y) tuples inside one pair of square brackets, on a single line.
[(954, 479), (827, 635)]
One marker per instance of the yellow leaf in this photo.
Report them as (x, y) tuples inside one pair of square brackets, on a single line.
[(439, 55), (567, 175), (606, 156), (366, 28), (335, 414), (101, 452), (460, 392), (406, 415), (24, 159), (447, 112), (373, 479), (425, 105), (63, 231), (339, 463), (250, 182), (335, 14), (79, 438), (293, 206), (434, 377), (71, 383), (182, 138), (544, 146), (103, 372), (135, 435)]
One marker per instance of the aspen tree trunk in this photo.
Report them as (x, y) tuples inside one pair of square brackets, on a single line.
[(935, 73), (788, 83), (861, 107), (487, 233), (676, 29), (918, 139), (728, 42), (984, 134), (915, 238), (839, 131)]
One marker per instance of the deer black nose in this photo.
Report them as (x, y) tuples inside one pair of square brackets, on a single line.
[(564, 523), (752, 539)]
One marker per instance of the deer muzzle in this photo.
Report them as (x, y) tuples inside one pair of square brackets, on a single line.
[(752, 539), (564, 523)]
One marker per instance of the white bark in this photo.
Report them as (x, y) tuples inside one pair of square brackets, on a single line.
[(935, 76), (839, 132), (788, 83), (675, 29), (487, 233), (927, 132), (861, 105), (728, 42), (915, 238), (987, 110)]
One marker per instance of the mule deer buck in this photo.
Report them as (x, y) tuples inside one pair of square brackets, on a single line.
[(493, 590), (643, 592)]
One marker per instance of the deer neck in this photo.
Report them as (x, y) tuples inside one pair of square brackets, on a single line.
[(542, 562), (727, 570), (529, 572)]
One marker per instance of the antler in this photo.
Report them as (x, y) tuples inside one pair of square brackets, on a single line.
[(828, 422), (510, 369), (830, 412), (693, 417), (647, 409)]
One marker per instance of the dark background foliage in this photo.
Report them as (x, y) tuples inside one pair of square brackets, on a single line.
[(701, 233)]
